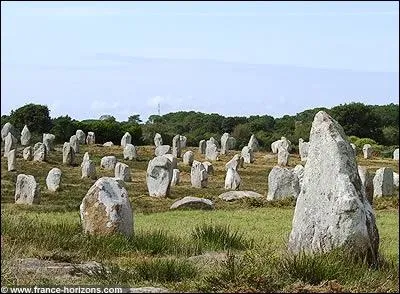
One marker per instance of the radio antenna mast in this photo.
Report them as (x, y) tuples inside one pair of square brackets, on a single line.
[(159, 109)]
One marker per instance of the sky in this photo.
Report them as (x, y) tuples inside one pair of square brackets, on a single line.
[(86, 59)]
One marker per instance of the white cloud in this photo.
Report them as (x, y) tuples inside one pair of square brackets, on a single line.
[(153, 101)]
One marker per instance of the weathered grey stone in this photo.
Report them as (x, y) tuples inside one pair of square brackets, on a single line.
[(81, 136), (396, 180), (303, 149), (48, 140), (7, 128), (27, 191), (188, 157), (158, 140), (232, 179), (106, 209), (183, 140), (11, 160), (108, 144), (367, 182), (39, 152), (176, 146), (162, 149), (247, 154), (227, 143), (193, 203), (10, 143), (88, 169), (108, 162), (209, 167), (176, 175), (396, 154), (215, 142), (198, 175), (331, 209), (367, 151), (354, 148), (172, 159), (122, 172), (283, 142), (282, 183), (53, 180), (283, 156), (383, 182), (211, 151), (298, 171), (202, 146), (233, 163), (253, 143), (126, 139), (27, 153), (68, 154), (90, 138), (85, 158), (25, 136), (159, 176), (74, 143), (236, 195), (130, 152)]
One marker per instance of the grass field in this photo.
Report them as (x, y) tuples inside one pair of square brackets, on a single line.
[(238, 247)]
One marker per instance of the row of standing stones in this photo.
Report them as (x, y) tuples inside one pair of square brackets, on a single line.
[(328, 213)]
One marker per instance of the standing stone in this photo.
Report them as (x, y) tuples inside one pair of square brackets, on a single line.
[(232, 179), (90, 138), (303, 150), (27, 153), (25, 136), (159, 176), (283, 142), (298, 171), (74, 142), (48, 140), (68, 154), (202, 146), (215, 142), (354, 148), (224, 141), (331, 210), (176, 146), (106, 209), (396, 154), (367, 151), (282, 183), (367, 182), (395, 180), (175, 177), (130, 152), (233, 163), (183, 140), (108, 144), (253, 143), (108, 162), (39, 152), (7, 128), (211, 151), (209, 167), (383, 182), (53, 180), (85, 158), (126, 139), (27, 191), (162, 149), (158, 140), (10, 142), (122, 172), (283, 156), (172, 159), (81, 136), (11, 160), (89, 169), (188, 158), (247, 154), (198, 175)]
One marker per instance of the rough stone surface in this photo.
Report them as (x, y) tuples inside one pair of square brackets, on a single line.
[(106, 209), (39, 152), (158, 140), (396, 154), (232, 179), (53, 180), (227, 143), (396, 180), (108, 162), (27, 191), (162, 149), (331, 209), (198, 175), (81, 136), (74, 143), (193, 203), (10, 143), (183, 140), (176, 146), (212, 140), (202, 146), (90, 138), (367, 151), (303, 149), (233, 163), (48, 140), (283, 156), (188, 157), (27, 153), (68, 154), (283, 142), (126, 139), (176, 175), (282, 183), (7, 128), (159, 176), (25, 136), (247, 154), (11, 160), (85, 158), (108, 144), (253, 143), (236, 195), (298, 171), (354, 148), (172, 159), (130, 152), (209, 167), (211, 151), (383, 182), (122, 172), (89, 169), (367, 182)]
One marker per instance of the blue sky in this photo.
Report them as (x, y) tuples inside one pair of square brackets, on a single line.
[(91, 58)]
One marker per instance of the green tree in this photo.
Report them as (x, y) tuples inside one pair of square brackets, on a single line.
[(63, 128), (35, 116)]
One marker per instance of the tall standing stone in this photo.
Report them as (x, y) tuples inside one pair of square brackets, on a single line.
[(130, 152), (7, 128), (85, 158), (39, 152), (183, 140), (106, 209), (212, 140), (367, 182), (53, 180), (354, 148), (383, 182), (74, 142), (108, 162), (283, 142), (176, 146), (224, 145), (188, 157), (396, 154), (283, 156), (126, 139), (81, 136), (11, 160), (162, 149), (27, 191), (175, 177), (303, 149), (211, 151), (88, 169), (10, 142), (159, 176), (25, 136), (202, 146), (122, 172), (198, 175), (395, 180), (247, 154), (209, 167), (27, 153), (232, 179), (68, 154), (233, 163), (48, 140), (282, 183), (332, 210), (90, 138), (253, 143), (367, 151), (158, 140)]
